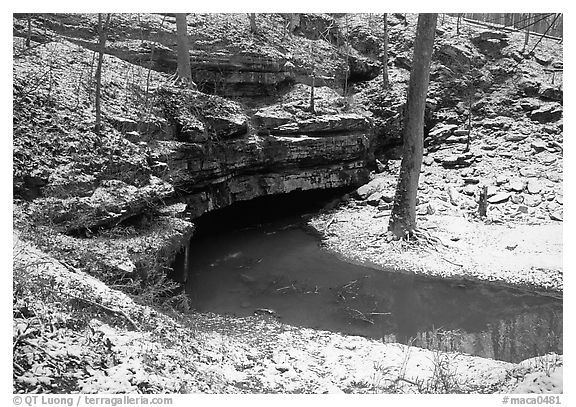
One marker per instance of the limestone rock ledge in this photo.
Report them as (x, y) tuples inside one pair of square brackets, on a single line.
[(247, 187), (212, 176)]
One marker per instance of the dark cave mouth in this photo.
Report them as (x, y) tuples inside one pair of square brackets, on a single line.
[(265, 209)]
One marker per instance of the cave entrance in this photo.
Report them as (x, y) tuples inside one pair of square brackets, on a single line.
[(259, 257)]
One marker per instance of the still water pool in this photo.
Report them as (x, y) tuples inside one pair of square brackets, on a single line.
[(282, 268)]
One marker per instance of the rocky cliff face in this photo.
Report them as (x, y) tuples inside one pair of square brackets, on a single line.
[(283, 148)]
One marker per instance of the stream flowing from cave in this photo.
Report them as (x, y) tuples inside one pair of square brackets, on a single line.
[(280, 268)]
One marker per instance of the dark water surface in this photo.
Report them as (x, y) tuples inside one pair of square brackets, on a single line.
[(282, 267)]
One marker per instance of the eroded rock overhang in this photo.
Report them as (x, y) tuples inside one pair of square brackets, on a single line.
[(215, 176)]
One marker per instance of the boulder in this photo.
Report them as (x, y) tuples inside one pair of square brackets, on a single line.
[(461, 132), (452, 54), (196, 117), (548, 113), (457, 160), (379, 184), (375, 198), (500, 197), (442, 130), (454, 196), (364, 41), (456, 140), (425, 209), (534, 186), (560, 199), (471, 180), (543, 60), (490, 35), (501, 179), (403, 61), (515, 137), (549, 92), (532, 200), (517, 198), (385, 206), (528, 87), (547, 158), (388, 196), (530, 171), (529, 104), (490, 42), (557, 215), (516, 185), (538, 146)]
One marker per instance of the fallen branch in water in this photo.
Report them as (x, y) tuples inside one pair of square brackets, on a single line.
[(361, 316)]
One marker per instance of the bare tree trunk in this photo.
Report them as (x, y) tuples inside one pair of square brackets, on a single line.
[(469, 138), (186, 262), (102, 31), (483, 202), (312, 108), (458, 21), (527, 37), (184, 70), (29, 34), (294, 22), (347, 58), (253, 26), (385, 80), (403, 218)]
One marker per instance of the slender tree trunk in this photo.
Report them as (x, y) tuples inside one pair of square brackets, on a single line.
[(312, 107), (184, 70), (468, 139), (385, 80), (458, 23), (29, 34), (403, 217), (186, 262), (527, 37), (102, 31), (253, 26), (483, 202), (347, 58)]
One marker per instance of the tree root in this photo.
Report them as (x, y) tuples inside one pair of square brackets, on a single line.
[(424, 237)]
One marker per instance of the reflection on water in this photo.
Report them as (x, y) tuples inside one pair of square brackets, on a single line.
[(280, 267)]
